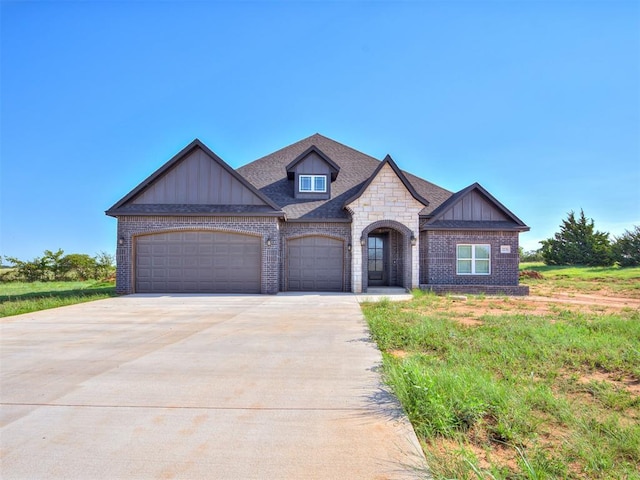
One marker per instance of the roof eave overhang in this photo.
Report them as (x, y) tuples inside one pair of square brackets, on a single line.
[(318, 220), (515, 228), (117, 214)]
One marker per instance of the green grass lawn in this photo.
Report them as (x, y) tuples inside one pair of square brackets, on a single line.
[(590, 273), (607, 280), (519, 394), (23, 297)]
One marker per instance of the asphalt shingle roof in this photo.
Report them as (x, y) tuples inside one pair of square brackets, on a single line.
[(269, 175)]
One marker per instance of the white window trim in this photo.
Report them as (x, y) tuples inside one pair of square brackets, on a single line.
[(313, 183), (473, 258)]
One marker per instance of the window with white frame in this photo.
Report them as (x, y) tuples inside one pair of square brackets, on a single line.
[(473, 259), (313, 183)]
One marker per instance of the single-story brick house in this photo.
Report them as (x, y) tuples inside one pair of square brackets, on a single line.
[(314, 216)]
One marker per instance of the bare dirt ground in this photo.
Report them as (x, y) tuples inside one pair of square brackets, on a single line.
[(614, 302), (471, 309)]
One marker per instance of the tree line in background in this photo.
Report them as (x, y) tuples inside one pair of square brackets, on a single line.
[(56, 266), (579, 243)]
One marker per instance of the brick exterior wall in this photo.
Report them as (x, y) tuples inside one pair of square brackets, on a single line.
[(434, 268), (385, 199), (131, 226), (340, 231), (438, 257), (397, 254)]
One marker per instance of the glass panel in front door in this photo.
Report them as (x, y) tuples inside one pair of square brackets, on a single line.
[(375, 248)]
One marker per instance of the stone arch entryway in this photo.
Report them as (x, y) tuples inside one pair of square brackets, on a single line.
[(386, 249)]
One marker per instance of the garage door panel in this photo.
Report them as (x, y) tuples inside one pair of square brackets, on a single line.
[(198, 262), (315, 263), (174, 262), (206, 262), (143, 274)]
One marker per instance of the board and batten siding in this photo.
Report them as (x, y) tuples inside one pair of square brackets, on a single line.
[(474, 207), (198, 180), (313, 164)]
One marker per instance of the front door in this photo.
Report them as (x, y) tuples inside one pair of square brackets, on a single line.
[(377, 260)]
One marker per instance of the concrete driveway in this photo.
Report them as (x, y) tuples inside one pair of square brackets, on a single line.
[(195, 387)]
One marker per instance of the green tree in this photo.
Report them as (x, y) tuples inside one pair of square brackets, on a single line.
[(577, 243), (53, 261), (33, 271), (58, 266), (40, 269), (78, 266), (626, 248), (105, 266), (530, 255)]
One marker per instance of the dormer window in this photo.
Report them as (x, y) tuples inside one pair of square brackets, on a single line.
[(312, 173), (313, 183)]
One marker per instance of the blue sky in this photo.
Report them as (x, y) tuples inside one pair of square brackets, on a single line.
[(538, 101)]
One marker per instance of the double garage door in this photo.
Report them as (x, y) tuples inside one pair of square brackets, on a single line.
[(198, 262), (220, 262)]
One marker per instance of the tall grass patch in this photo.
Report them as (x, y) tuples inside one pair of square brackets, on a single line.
[(518, 396), (24, 297)]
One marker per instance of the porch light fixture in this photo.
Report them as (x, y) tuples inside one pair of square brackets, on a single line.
[(413, 239), (268, 242), (349, 247), (121, 241)]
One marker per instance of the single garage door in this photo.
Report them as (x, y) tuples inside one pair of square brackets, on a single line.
[(315, 264), (198, 262)]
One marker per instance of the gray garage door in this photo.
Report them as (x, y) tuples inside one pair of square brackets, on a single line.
[(315, 264), (198, 262)]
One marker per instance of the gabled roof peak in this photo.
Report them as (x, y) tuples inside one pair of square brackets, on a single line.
[(333, 167), (438, 216), (389, 161), (177, 159)]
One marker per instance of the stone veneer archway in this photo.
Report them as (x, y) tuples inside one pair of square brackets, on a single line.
[(409, 239)]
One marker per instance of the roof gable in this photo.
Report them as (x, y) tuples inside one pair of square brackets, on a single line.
[(309, 154), (269, 175), (388, 161), (473, 207), (196, 177)]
